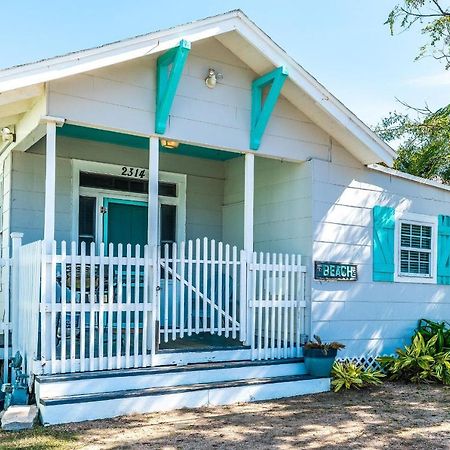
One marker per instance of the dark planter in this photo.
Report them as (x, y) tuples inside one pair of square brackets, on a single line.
[(317, 363)]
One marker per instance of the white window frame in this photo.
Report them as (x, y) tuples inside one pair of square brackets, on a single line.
[(114, 169), (415, 219)]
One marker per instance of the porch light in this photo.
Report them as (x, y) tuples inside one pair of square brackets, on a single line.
[(7, 135), (212, 78), (169, 144)]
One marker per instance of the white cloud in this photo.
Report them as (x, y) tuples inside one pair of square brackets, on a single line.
[(436, 80)]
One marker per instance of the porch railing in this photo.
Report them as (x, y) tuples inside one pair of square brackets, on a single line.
[(86, 309), (95, 308)]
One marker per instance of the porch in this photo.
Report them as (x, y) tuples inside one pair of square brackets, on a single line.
[(200, 301), (131, 290)]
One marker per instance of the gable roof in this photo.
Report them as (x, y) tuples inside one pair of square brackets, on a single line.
[(240, 35)]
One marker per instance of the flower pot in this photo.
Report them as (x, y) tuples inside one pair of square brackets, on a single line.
[(317, 363)]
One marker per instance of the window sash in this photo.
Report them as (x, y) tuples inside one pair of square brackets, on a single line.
[(415, 253)]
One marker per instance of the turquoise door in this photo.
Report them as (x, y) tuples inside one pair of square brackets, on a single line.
[(125, 222)]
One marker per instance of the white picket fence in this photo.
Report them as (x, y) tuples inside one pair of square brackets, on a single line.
[(277, 306), (202, 290), (96, 308), (76, 310)]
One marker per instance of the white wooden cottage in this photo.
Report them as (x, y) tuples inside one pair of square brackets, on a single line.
[(182, 210)]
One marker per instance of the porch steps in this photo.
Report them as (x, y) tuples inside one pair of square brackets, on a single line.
[(99, 395)]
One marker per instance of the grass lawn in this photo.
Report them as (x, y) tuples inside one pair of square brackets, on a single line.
[(394, 416)]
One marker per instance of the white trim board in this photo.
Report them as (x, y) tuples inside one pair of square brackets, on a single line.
[(409, 177)]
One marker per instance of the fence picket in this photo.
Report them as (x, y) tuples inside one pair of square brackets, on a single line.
[(166, 293), (219, 287), (91, 306), (189, 305), (174, 290), (101, 299), (63, 326), (234, 294), (137, 287), (119, 314), (73, 314)]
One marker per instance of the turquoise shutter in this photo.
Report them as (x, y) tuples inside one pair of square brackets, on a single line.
[(443, 250), (383, 243)]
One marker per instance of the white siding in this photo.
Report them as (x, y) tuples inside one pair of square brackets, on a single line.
[(282, 216), (122, 97), (204, 196), (369, 317)]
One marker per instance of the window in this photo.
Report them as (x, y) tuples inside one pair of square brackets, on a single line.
[(415, 249), (86, 221), (114, 183), (416, 242)]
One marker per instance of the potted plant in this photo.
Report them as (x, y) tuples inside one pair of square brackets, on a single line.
[(320, 356)]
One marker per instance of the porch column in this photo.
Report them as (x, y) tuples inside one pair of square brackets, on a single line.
[(249, 188), (50, 177), (152, 232), (249, 202), (153, 207)]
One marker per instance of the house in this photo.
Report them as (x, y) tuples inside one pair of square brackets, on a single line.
[(182, 210)]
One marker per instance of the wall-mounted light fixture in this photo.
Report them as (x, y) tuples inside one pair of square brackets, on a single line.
[(8, 135), (167, 143), (212, 78)]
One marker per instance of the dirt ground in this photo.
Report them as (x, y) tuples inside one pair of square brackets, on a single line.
[(394, 416)]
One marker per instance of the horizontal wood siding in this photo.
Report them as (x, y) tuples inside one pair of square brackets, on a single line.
[(369, 317), (122, 97)]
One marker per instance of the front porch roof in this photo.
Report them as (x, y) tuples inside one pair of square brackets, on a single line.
[(21, 86)]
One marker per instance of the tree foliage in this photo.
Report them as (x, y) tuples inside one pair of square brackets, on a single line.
[(433, 16), (424, 142), (423, 135)]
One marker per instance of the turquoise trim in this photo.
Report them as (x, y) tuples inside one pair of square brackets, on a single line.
[(106, 202), (383, 243), (443, 250), (261, 112), (141, 143), (167, 83)]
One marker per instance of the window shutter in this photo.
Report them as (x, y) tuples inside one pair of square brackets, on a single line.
[(383, 243), (443, 250)]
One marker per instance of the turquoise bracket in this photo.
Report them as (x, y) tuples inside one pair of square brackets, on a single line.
[(261, 112), (167, 81)]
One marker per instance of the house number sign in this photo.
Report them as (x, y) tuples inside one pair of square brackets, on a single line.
[(133, 172), (333, 271)]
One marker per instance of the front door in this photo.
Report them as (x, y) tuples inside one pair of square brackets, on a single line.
[(125, 222)]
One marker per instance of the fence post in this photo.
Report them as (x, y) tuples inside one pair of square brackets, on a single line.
[(16, 239)]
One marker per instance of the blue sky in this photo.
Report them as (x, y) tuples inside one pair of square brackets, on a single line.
[(343, 43)]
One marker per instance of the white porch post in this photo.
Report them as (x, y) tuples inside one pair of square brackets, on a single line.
[(152, 231), (249, 188), (50, 184), (48, 320), (153, 207), (249, 202)]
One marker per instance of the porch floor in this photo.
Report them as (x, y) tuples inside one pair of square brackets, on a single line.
[(201, 341)]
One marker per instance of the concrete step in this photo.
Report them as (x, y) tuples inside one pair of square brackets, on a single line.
[(81, 407), (100, 382)]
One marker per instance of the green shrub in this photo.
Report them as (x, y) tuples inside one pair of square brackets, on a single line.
[(422, 361), (428, 329), (351, 375)]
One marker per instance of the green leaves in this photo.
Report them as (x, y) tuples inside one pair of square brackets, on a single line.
[(424, 142), (427, 359), (349, 375), (432, 17)]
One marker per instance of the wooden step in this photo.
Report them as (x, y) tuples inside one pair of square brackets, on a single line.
[(76, 408), (51, 386)]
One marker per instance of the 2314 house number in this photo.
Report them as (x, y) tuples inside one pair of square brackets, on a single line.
[(133, 172)]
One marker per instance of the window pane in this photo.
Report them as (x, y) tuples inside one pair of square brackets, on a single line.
[(124, 184), (415, 236), (86, 221), (86, 217), (167, 189), (168, 223)]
